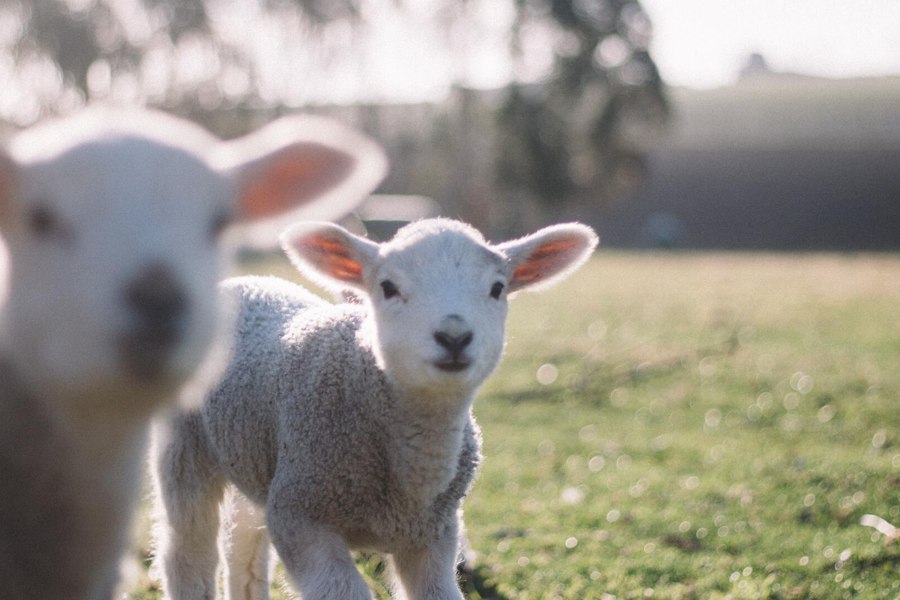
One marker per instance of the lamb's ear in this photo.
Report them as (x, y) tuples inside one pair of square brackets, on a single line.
[(329, 255), (301, 167), (548, 256)]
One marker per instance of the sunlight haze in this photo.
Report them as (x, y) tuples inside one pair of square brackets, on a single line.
[(703, 43)]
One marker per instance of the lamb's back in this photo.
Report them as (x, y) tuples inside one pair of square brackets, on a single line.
[(286, 340), (304, 413)]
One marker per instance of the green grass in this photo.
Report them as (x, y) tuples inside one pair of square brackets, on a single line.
[(693, 426)]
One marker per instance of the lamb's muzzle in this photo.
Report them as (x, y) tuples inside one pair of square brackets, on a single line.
[(454, 337), (160, 309)]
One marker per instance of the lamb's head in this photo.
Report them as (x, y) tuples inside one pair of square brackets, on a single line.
[(438, 292), (113, 224)]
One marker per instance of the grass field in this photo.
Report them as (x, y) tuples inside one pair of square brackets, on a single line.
[(693, 426)]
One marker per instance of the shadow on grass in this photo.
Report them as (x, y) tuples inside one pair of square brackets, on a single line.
[(890, 557), (595, 380), (475, 582), (476, 585)]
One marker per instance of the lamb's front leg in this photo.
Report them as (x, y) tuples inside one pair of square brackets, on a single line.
[(244, 546), (317, 559), (428, 573), (189, 491)]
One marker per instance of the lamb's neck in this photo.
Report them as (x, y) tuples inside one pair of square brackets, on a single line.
[(102, 431), (427, 436), (111, 447), (94, 462), (105, 432)]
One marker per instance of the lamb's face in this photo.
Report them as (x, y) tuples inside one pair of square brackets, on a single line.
[(113, 244), (440, 310), (111, 221), (438, 291)]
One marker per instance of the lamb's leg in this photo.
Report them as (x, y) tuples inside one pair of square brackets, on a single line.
[(189, 490), (245, 549), (427, 573), (317, 559)]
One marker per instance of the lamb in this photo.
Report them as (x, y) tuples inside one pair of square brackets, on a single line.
[(112, 222), (347, 426)]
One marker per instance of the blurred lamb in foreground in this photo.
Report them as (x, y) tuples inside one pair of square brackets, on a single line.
[(348, 426), (112, 223)]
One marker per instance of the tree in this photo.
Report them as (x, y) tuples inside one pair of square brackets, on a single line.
[(584, 127), (574, 127), (64, 52)]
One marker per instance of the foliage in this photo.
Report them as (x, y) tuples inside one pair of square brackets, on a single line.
[(589, 123), (694, 427), (80, 48), (536, 157), (579, 128)]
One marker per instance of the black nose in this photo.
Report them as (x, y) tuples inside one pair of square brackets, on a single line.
[(454, 344), (155, 297), (158, 307)]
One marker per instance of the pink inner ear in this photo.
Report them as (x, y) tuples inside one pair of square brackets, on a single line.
[(546, 260), (331, 256), (297, 175)]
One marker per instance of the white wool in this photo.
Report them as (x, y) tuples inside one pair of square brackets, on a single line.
[(111, 222), (348, 426)]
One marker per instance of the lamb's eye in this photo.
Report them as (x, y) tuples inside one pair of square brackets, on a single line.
[(218, 224), (496, 290), (45, 224), (42, 221), (390, 290)]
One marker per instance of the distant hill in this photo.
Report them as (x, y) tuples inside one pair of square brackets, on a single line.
[(772, 111), (774, 162)]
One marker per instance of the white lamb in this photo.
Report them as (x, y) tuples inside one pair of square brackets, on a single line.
[(348, 426), (112, 224)]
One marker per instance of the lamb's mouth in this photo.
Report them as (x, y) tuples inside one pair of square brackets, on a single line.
[(452, 365), (145, 351)]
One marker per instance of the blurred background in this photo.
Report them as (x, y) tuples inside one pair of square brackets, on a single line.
[(689, 124)]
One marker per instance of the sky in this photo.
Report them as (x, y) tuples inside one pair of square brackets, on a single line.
[(403, 55), (703, 43), (696, 43)]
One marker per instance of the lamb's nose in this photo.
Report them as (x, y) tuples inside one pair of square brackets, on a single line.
[(158, 307), (453, 343), (155, 297)]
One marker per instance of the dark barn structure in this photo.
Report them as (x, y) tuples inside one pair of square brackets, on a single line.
[(780, 163)]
